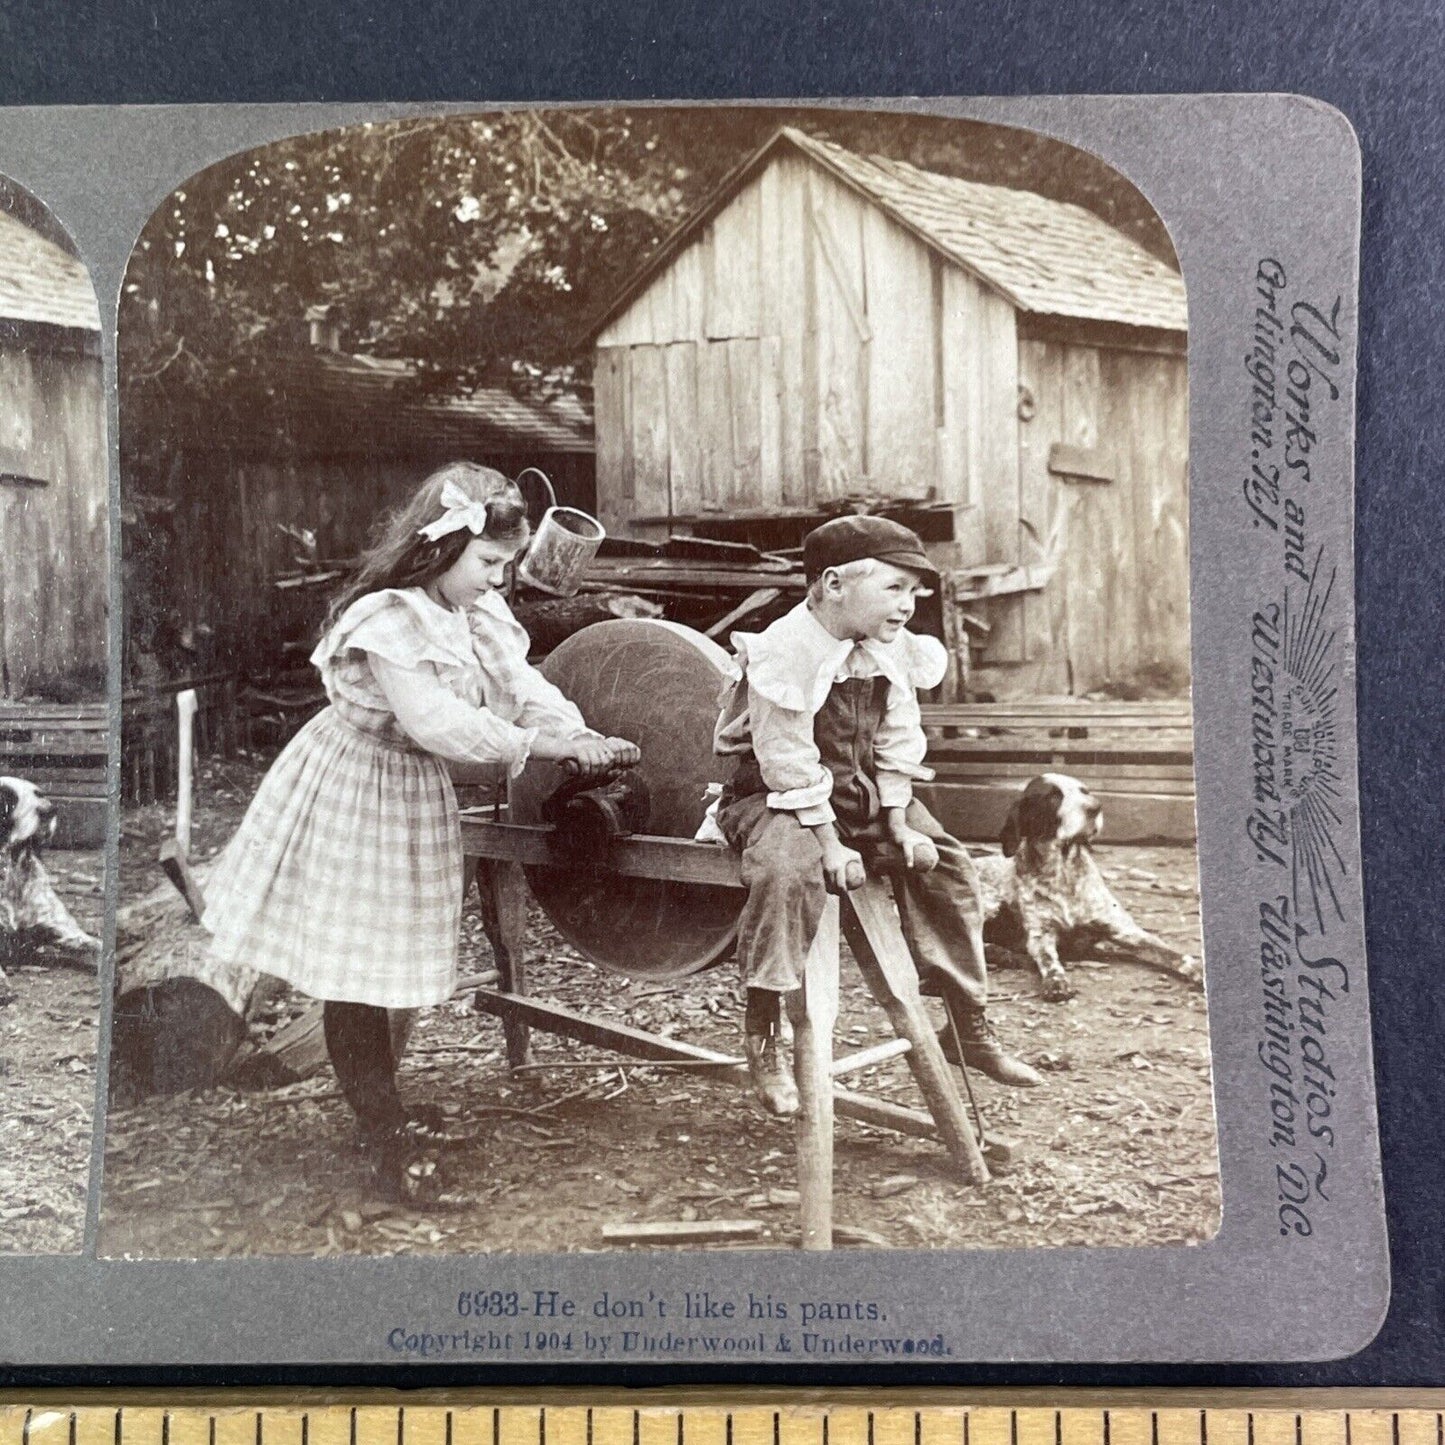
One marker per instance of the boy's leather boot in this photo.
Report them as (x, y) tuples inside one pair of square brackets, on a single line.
[(983, 1051), (769, 1074)]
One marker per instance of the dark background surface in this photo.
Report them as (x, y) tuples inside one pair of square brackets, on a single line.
[(1381, 64)]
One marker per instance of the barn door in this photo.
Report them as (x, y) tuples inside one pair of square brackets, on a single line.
[(1070, 511)]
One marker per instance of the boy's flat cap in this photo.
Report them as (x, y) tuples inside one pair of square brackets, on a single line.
[(849, 539)]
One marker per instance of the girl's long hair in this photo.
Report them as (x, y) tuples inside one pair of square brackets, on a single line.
[(401, 557)]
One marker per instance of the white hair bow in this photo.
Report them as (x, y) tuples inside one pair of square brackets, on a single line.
[(459, 511)]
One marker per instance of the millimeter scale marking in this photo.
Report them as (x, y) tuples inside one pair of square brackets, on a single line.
[(747, 1418)]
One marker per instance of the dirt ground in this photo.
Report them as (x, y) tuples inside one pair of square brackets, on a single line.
[(47, 1079), (1118, 1147)]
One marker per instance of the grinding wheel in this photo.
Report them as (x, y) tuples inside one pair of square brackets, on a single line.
[(657, 684)]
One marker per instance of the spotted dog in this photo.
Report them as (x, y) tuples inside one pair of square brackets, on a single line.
[(30, 909), (1045, 891)]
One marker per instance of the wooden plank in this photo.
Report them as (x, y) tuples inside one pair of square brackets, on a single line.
[(630, 328), (954, 476), (943, 720), (614, 439), (684, 464), (1075, 749), (1124, 411), (812, 359), (83, 752), (732, 298), (1147, 740), (53, 715), (1083, 464), (1097, 779), (842, 374), (689, 288), (1042, 508), (603, 1033), (814, 1013), (658, 301), (639, 572), (635, 1043), (870, 1057), (1087, 555), (1157, 517), (714, 426), (834, 215), (1083, 709), (1162, 775), (751, 603), (641, 856), (900, 407), (871, 925), (770, 488), (745, 417), (998, 362), (954, 637), (769, 263), (647, 393), (787, 239), (964, 300), (20, 517), (48, 777), (677, 1231)]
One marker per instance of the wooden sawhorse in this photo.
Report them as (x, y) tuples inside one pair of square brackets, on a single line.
[(497, 853)]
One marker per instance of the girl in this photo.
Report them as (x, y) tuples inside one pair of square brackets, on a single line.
[(345, 878)]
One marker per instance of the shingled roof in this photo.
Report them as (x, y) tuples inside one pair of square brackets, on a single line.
[(1048, 257), (351, 402), (40, 284)]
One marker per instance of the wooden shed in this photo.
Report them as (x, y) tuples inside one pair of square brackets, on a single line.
[(831, 326), (323, 442), (53, 475)]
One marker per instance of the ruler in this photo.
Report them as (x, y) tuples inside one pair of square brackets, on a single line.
[(800, 1417)]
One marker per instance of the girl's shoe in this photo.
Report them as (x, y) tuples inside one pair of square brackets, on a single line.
[(403, 1170)]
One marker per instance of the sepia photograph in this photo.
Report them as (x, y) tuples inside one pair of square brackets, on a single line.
[(656, 695), (54, 724)]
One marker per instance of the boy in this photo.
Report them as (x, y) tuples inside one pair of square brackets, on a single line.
[(825, 727)]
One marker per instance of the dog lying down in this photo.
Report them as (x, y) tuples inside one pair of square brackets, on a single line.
[(1044, 894), (31, 912)]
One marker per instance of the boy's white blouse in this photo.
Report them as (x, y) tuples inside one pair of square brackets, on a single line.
[(787, 671), (458, 683)]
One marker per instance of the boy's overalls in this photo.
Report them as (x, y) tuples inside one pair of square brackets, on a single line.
[(940, 911)]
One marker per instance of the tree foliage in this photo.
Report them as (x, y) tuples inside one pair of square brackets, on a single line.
[(479, 246)]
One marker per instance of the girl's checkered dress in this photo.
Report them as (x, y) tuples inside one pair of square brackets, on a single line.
[(345, 877)]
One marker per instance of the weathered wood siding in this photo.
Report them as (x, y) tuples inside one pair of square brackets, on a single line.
[(214, 556), (804, 347), (53, 587), (1119, 601)]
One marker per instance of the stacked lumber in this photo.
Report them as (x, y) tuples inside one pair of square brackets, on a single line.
[(64, 749), (1137, 757)]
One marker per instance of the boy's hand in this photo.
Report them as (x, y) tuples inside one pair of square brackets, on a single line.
[(842, 869), (918, 849)]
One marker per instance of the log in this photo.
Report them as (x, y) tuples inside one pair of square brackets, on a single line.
[(180, 1016), (183, 1020)]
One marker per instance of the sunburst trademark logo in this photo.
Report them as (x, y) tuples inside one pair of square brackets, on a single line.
[(1295, 739)]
